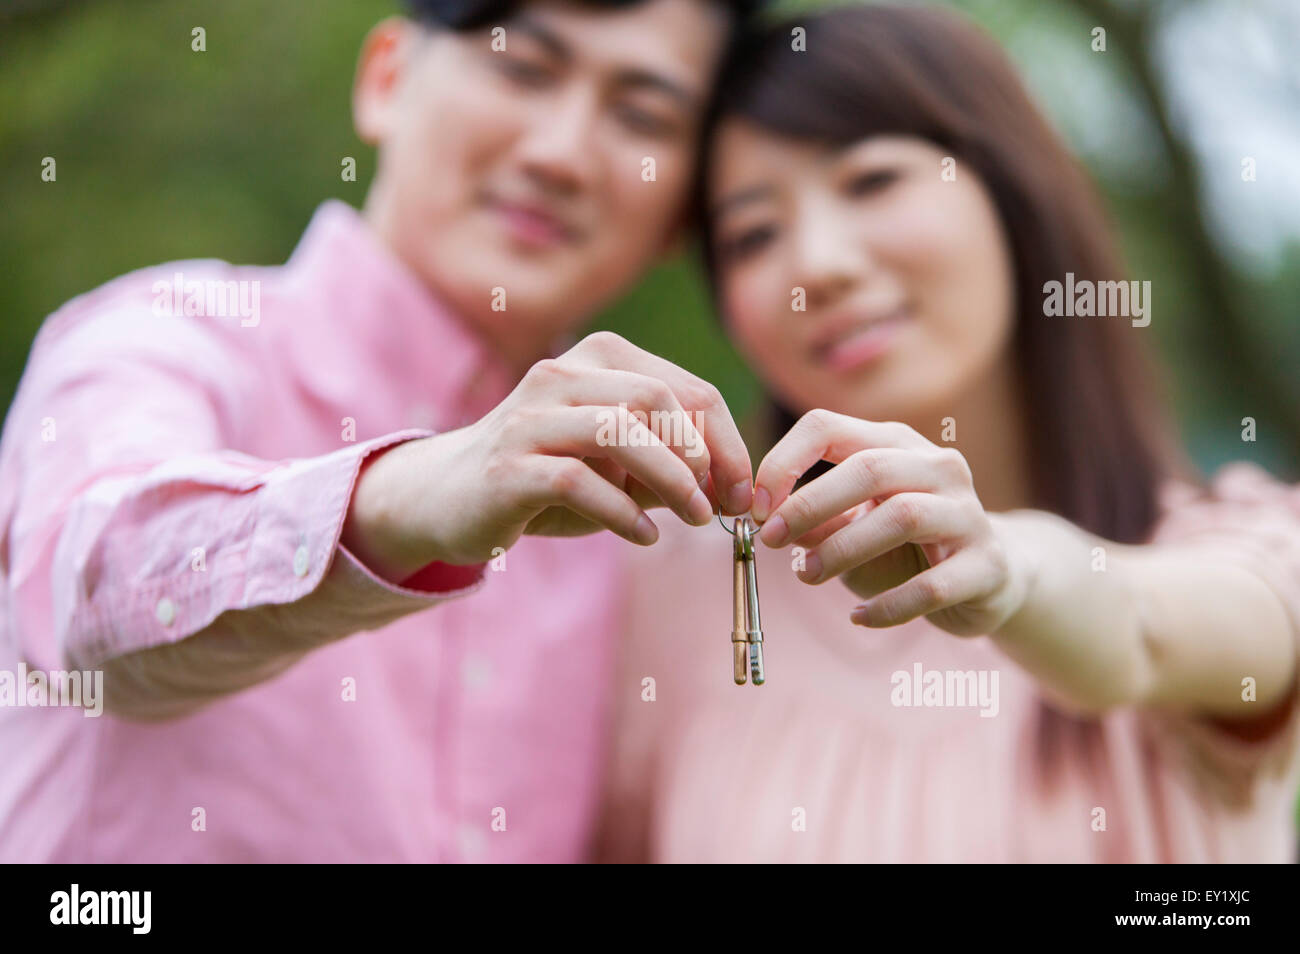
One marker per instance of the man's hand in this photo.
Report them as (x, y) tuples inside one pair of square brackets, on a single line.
[(568, 452)]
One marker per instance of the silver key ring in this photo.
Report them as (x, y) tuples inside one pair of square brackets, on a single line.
[(731, 530)]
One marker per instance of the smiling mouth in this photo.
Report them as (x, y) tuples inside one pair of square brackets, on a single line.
[(531, 225), (861, 342)]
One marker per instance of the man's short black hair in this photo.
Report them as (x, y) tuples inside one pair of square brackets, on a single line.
[(472, 14)]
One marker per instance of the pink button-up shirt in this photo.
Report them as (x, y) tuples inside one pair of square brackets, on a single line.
[(165, 474)]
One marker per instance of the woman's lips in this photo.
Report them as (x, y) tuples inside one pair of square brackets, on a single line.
[(863, 344)]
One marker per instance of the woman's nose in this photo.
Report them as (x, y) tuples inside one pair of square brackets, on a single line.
[(828, 261)]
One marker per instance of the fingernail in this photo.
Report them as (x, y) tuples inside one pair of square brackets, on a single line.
[(762, 504), (858, 616), (774, 532), (812, 568), (645, 531), (699, 509), (738, 497)]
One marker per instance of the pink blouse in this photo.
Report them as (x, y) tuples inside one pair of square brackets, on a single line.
[(821, 764)]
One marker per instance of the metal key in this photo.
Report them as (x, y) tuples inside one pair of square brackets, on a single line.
[(754, 632), (746, 627), (739, 611)]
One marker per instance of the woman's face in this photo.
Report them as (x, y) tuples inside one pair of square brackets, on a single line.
[(859, 279)]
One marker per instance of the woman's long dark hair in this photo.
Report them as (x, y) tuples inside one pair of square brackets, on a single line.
[(1099, 440)]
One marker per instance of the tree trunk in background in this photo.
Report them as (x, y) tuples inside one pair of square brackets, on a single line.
[(1223, 319)]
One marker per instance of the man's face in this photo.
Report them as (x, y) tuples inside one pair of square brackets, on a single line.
[(555, 169)]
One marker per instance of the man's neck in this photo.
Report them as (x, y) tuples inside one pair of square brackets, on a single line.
[(518, 351)]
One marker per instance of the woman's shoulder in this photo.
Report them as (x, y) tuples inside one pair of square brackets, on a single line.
[(1243, 514), (1240, 497)]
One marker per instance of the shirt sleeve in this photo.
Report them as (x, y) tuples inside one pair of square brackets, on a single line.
[(1249, 518), (135, 541)]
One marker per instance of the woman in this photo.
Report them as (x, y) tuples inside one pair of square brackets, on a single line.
[(1052, 643)]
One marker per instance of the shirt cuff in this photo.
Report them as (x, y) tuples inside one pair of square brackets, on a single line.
[(292, 551), (441, 577)]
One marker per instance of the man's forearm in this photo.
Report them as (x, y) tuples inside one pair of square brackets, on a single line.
[(242, 648)]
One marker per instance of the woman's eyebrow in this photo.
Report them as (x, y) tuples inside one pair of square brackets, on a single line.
[(743, 197)]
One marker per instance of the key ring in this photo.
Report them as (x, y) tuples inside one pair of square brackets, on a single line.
[(737, 519)]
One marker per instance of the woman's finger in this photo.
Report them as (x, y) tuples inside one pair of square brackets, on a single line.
[(822, 435), (961, 578), (816, 535), (865, 475), (903, 518)]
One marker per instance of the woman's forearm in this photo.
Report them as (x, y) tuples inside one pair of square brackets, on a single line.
[(1143, 625)]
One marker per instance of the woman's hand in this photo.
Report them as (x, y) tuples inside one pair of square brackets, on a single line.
[(897, 520)]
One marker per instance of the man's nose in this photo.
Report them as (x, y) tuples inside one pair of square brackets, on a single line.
[(560, 149), (829, 259)]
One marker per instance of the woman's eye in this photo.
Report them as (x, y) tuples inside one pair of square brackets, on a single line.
[(869, 182), (746, 243)]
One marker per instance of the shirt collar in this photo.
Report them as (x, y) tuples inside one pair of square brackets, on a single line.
[(391, 313)]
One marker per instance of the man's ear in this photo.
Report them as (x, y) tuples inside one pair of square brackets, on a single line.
[(384, 56)]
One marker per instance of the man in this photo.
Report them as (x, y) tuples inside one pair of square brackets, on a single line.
[(204, 508)]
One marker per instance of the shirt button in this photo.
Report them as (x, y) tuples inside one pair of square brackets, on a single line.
[(471, 840), (475, 672), (300, 559), (165, 611)]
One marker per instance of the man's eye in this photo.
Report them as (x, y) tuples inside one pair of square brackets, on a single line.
[(745, 243), (524, 72), (869, 182), (644, 121)]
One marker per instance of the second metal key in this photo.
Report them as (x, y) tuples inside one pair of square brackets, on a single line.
[(747, 626)]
